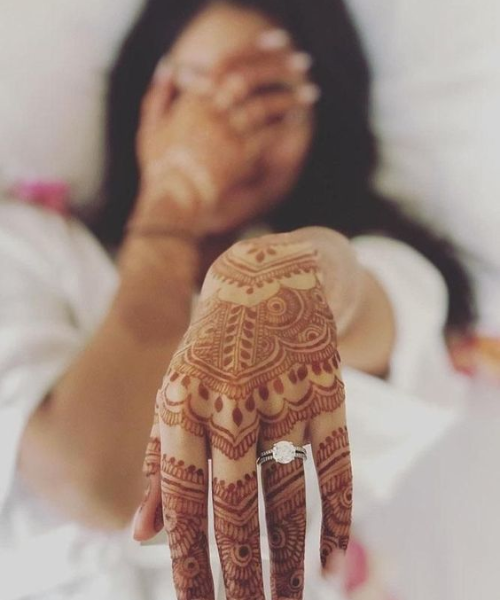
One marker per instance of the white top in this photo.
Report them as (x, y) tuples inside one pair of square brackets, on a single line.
[(47, 266)]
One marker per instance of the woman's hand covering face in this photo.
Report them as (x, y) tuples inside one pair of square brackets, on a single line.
[(205, 134), (258, 364)]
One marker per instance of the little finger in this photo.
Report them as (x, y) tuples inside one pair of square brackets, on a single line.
[(330, 447)]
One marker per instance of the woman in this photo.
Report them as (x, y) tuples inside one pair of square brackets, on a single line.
[(111, 347)]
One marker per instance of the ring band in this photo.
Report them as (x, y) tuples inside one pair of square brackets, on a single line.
[(283, 452)]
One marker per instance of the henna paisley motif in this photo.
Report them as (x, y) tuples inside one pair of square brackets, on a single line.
[(284, 492), (333, 464), (236, 523), (185, 519)]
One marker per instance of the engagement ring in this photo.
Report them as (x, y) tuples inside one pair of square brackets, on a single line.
[(283, 452)]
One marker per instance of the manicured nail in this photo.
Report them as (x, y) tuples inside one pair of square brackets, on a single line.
[(335, 563), (273, 39), (158, 524), (300, 61), (134, 520), (309, 93), (189, 79), (163, 72)]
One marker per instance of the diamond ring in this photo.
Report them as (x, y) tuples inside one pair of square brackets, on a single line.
[(282, 452)]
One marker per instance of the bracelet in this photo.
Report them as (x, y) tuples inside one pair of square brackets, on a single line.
[(144, 229)]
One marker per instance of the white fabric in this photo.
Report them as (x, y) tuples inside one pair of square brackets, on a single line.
[(436, 97), (436, 92), (48, 265), (55, 60)]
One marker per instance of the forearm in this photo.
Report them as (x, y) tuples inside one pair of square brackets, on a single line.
[(84, 446), (362, 310)]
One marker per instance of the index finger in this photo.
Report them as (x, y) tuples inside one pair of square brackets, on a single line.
[(184, 490)]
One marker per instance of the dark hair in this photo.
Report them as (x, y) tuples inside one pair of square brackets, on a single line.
[(335, 187)]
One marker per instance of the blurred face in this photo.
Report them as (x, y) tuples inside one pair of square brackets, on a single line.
[(215, 34)]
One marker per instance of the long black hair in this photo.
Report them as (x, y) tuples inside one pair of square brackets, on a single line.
[(335, 187)]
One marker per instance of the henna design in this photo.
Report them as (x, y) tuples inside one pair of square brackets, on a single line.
[(333, 463), (151, 464), (268, 332), (185, 521), (236, 523), (257, 264), (284, 492)]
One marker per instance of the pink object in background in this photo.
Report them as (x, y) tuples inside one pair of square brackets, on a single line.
[(356, 566), (52, 195)]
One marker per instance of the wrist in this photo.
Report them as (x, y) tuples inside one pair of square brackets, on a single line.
[(169, 200), (159, 262)]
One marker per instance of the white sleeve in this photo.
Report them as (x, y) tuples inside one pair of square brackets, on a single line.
[(393, 422), (40, 332), (420, 363)]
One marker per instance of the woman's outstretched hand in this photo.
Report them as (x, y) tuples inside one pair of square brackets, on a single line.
[(258, 365)]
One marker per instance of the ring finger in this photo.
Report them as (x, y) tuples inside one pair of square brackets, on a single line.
[(285, 500)]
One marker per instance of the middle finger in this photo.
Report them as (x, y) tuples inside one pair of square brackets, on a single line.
[(236, 524), (285, 70)]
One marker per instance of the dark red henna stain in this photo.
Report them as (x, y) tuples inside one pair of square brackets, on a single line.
[(284, 493), (333, 462), (185, 521), (282, 348), (236, 522)]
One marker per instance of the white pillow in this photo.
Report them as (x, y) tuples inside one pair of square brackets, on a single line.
[(436, 113), (54, 63)]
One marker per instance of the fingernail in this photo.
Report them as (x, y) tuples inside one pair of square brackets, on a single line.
[(334, 563), (163, 72), (300, 61), (187, 79), (134, 520), (273, 39), (158, 524), (309, 93)]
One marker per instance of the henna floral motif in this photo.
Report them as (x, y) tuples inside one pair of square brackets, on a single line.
[(272, 335), (236, 523), (185, 519), (333, 463), (284, 492)]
